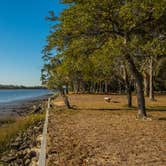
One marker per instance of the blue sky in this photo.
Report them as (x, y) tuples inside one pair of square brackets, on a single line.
[(23, 31)]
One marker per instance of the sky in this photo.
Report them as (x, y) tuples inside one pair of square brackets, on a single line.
[(23, 31)]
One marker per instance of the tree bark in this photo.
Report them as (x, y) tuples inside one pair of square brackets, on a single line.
[(119, 87), (106, 86), (67, 89), (93, 87), (100, 87), (139, 87), (146, 84), (65, 99), (96, 88), (75, 86), (128, 88), (129, 97), (78, 86), (151, 92), (83, 87)]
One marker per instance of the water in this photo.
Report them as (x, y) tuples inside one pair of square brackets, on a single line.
[(21, 94)]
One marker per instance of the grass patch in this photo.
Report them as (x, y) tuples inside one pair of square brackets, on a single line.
[(10, 130)]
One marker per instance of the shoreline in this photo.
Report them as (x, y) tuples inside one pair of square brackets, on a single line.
[(21, 107), (21, 130)]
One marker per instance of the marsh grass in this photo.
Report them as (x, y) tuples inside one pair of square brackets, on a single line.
[(10, 129)]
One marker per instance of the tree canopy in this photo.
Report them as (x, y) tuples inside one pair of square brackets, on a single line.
[(95, 39)]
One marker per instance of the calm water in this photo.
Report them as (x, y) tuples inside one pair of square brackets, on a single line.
[(21, 94)]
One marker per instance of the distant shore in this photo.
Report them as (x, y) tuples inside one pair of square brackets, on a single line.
[(20, 87)]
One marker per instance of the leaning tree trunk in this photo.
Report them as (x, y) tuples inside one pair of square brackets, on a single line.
[(151, 92), (65, 99), (139, 87)]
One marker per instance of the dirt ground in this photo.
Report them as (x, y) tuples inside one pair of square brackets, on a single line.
[(97, 133)]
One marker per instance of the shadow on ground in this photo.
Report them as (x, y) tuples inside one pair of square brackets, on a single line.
[(149, 109), (162, 118), (157, 108)]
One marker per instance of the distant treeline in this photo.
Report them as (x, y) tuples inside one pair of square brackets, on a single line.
[(21, 87)]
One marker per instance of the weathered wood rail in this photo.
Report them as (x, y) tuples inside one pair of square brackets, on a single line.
[(42, 155)]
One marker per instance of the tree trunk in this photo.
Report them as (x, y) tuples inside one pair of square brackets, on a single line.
[(128, 88), (96, 87), (151, 92), (65, 99), (67, 89), (72, 86), (140, 97), (146, 84), (83, 87), (129, 97), (100, 87), (93, 87), (78, 86), (106, 86), (119, 87), (75, 86), (139, 87)]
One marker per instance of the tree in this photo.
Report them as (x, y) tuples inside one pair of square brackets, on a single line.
[(55, 77), (127, 30)]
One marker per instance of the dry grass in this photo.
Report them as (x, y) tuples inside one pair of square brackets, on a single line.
[(12, 126), (6, 120), (117, 102), (107, 134)]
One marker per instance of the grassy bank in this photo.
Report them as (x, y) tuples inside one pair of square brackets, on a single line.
[(11, 126)]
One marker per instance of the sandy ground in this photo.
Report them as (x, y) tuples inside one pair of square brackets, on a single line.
[(96, 133)]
